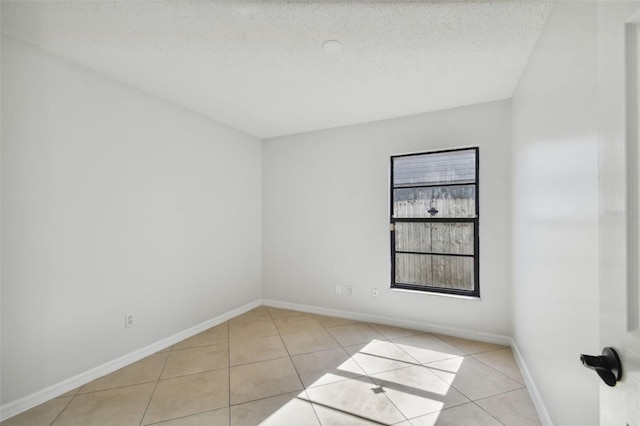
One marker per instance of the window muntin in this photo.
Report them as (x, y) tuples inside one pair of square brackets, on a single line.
[(434, 217)]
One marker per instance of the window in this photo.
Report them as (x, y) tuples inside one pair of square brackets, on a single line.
[(434, 222)]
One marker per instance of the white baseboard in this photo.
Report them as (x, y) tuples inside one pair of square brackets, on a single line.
[(545, 418), (414, 325), (13, 408), (16, 407), (450, 331)]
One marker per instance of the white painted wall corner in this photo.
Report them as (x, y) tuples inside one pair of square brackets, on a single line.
[(545, 418), (414, 325)]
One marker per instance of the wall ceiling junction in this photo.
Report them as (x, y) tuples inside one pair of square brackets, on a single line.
[(260, 66)]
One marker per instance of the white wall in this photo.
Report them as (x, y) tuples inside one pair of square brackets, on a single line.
[(555, 213), (325, 216), (113, 202)]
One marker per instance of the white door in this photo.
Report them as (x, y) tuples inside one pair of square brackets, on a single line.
[(619, 171)]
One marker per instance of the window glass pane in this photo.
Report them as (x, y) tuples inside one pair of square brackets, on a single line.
[(447, 238), (449, 201), (435, 168), (435, 271)]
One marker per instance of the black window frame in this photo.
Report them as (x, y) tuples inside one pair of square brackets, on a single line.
[(474, 220)]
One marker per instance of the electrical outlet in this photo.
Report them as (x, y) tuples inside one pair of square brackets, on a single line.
[(349, 291), (129, 321), (338, 289), (374, 293)]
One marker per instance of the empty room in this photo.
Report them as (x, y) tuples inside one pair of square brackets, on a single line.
[(226, 212)]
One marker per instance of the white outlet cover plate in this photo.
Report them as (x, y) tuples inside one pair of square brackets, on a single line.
[(129, 320)]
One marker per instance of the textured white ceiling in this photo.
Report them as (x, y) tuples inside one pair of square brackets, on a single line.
[(259, 66)]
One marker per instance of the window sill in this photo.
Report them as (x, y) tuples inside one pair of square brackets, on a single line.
[(433, 293)]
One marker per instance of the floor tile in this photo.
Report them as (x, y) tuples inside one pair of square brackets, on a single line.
[(263, 379), (512, 408), (196, 360), (352, 334), (416, 391), (333, 417), (258, 314), (72, 392), (146, 370), (360, 397), (257, 328), (311, 341), (183, 396), (390, 331), (250, 350), (219, 417), (324, 367), (473, 378), (296, 323), (467, 415), (287, 409), (117, 407), (379, 355), (334, 321), (276, 353), (213, 336), (469, 346), (282, 313), (426, 347), (260, 310), (42, 415), (503, 361)]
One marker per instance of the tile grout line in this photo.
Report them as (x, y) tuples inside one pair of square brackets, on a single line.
[(304, 388), (392, 403), (501, 393), (495, 370), (166, 361), (118, 387), (352, 414), (326, 328), (193, 347), (411, 356), (367, 374), (262, 398), (78, 392), (478, 399), (507, 375), (492, 416), (258, 362), (499, 372), (65, 407), (183, 417)]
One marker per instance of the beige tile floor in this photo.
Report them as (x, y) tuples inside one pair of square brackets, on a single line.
[(278, 367)]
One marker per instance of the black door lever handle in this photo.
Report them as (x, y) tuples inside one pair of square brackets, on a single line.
[(607, 365)]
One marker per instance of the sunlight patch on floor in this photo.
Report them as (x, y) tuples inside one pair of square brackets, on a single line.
[(397, 384)]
